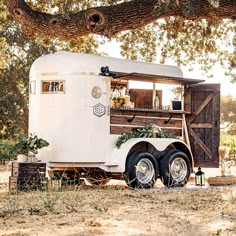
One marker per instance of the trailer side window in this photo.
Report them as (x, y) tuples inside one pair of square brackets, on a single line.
[(53, 86)]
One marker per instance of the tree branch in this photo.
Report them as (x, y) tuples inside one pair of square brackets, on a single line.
[(113, 19)]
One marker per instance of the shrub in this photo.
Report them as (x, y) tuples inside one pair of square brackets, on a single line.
[(7, 150), (30, 145), (229, 141)]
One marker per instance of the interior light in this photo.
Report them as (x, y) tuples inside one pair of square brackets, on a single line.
[(96, 92)]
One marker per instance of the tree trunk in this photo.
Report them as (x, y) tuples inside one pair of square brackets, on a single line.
[(113, 19)]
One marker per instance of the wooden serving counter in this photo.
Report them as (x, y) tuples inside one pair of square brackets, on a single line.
[(124, 120)]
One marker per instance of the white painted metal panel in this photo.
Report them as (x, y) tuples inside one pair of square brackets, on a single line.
[(68, 122), (119, 155), (74, 63)]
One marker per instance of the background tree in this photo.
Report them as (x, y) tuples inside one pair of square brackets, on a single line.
[(14, 81), (17, 55), (113, 19), (228, 114), (187, 32)]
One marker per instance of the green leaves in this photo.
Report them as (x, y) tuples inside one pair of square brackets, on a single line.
[(228, 114), (148, 131), (205, 42), (30, 145), (7, 149), (139, 44), (229, 141)]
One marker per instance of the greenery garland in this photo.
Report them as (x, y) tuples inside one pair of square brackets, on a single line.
[(147, 131)]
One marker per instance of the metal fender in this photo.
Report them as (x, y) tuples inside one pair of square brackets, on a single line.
[(119, 155)]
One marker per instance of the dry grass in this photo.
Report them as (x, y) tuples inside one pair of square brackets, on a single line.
[(4, 168), (116, 210)]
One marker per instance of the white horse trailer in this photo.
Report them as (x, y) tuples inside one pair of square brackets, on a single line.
[(70, 107)]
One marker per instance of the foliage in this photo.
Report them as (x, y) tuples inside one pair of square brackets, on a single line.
[(13, 107), (14, 76), (7, 150), (148, 131), (186, 42), (178, 91), (228, 113), (208, 42), (30, 145), (229, 141)]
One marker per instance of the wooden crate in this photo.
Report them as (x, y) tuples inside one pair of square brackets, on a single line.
[(25, 169), (27, 176), (25, 183)]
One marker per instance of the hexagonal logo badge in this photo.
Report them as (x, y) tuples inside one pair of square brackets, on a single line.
[(99, 110)]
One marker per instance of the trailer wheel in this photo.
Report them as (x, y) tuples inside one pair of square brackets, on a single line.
[(141, 170), (175, 169)]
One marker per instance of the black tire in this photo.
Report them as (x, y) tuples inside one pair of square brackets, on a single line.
[(175, 169), (134, 177)]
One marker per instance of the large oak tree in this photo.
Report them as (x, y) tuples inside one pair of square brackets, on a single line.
[(109, 20), (190, 31), (186, 31)]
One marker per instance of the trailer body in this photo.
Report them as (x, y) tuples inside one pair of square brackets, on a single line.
[(70, 106)]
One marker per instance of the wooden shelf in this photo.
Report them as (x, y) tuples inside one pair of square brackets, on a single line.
[(124, 120), (114, 109)]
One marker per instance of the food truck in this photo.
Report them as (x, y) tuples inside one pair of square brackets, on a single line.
[(98, 123)]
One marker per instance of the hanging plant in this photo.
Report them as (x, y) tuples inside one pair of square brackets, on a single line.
[(148, 131)]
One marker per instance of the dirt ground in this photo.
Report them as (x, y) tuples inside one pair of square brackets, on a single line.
[(116, 210)]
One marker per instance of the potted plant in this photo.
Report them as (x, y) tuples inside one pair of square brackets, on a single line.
[(178, 92), (27, 147)]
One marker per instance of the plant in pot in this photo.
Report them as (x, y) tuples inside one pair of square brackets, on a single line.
[(27, 147), (177, 102)]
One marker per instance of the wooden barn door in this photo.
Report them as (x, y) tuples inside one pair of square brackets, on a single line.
[(203, 101)]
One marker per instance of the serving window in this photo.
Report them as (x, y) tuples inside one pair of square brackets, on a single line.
[(53, 86)]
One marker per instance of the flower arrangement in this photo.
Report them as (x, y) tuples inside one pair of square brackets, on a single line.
[(178, 91), (223, 153), (118, 101)]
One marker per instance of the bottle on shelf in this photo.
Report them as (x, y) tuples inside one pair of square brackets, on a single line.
[(156, 103)]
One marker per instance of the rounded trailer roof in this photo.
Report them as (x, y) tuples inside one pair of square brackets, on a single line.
[(76, 63)]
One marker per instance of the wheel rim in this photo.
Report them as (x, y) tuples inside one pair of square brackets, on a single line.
[(178, 169), (145, 171)]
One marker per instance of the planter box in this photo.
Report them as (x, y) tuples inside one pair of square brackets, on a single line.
[(222, 180), (27, 176), (176, 105)]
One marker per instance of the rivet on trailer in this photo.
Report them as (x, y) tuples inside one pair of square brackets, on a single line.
[(82, 103)]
